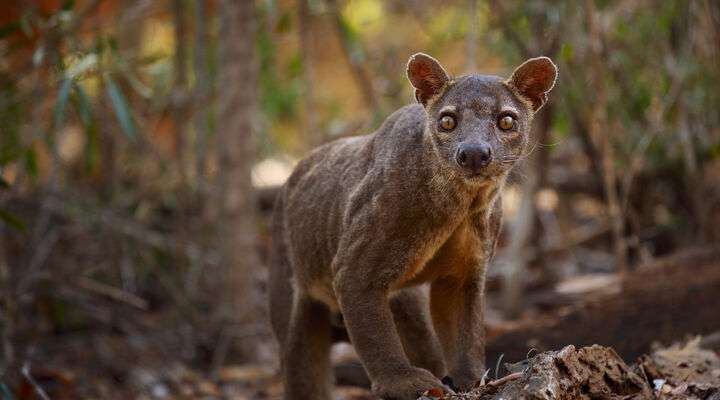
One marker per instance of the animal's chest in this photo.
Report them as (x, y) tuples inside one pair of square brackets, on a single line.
[(458, 253)]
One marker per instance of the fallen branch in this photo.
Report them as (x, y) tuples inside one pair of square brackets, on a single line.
[(663, 302), (112, 292), (597, 372), (25, 370)]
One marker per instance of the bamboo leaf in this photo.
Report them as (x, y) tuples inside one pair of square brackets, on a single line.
[(9, 154), (136, 84), (31, 165), (120, 106), (11, 220), (9, 28), (84, 109), (63, 95), (86, 63), (83, 105), (6, 393)]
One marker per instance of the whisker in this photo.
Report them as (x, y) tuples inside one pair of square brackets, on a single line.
[(522, 156)]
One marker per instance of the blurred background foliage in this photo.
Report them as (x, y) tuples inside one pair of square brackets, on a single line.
[(110, 150)]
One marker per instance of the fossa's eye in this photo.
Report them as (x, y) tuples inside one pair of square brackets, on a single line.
[(506, 122), (447, 123)]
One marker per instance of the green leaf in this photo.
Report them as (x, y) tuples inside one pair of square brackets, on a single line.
[(82, 104), (567, 52), (31, 165), (68, 5), (31, 162), (136, 84), (26, 25), (11, 220), (6, 392), (9, 154), (9, 28), (30, 159), (85, 63), (122, 111), (63, 95)]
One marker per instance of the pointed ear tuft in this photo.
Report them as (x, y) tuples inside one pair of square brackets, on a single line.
[(534, 79), (427, 76)]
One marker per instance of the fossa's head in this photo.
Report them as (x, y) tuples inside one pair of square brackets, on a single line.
[(480, 124)]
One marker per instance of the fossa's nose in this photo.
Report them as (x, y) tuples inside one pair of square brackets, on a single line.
[(474, 156)]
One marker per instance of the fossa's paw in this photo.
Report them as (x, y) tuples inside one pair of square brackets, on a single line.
[(408, 385)]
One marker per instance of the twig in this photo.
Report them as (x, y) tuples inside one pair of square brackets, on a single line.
[(506, 378), (497, 365), (130, 228), (25, 370), (112, 292), (227, 335)]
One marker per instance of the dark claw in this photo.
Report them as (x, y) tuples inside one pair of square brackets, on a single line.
[(449, 382)]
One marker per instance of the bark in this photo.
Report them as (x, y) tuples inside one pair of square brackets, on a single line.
[(658, 303), (587, 373), (236, 147), (693, 167)]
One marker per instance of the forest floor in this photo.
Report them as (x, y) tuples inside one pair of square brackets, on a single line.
[(645, 324), (681, 371)]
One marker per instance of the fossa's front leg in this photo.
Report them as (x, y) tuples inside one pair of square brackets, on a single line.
[(457, 300), (366, 268), (411, 312), (457, 311), (370, 325)]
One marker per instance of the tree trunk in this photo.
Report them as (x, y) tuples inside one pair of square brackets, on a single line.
[(525, 226), (201, 95), (601, 133), (179, 93), (310, 124), (353, 57), (661, 302), (471, 39), (236, 148)]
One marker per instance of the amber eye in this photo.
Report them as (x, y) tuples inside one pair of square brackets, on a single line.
[(447, 122), (506, 123)]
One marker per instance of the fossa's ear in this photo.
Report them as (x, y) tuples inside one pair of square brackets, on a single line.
[(534, 79), (427, 76)]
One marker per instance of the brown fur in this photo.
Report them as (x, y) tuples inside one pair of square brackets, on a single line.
[(363, 223)]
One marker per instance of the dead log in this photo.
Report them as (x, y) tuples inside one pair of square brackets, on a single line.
[(588, 373), (663, 302), (597, 372)]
